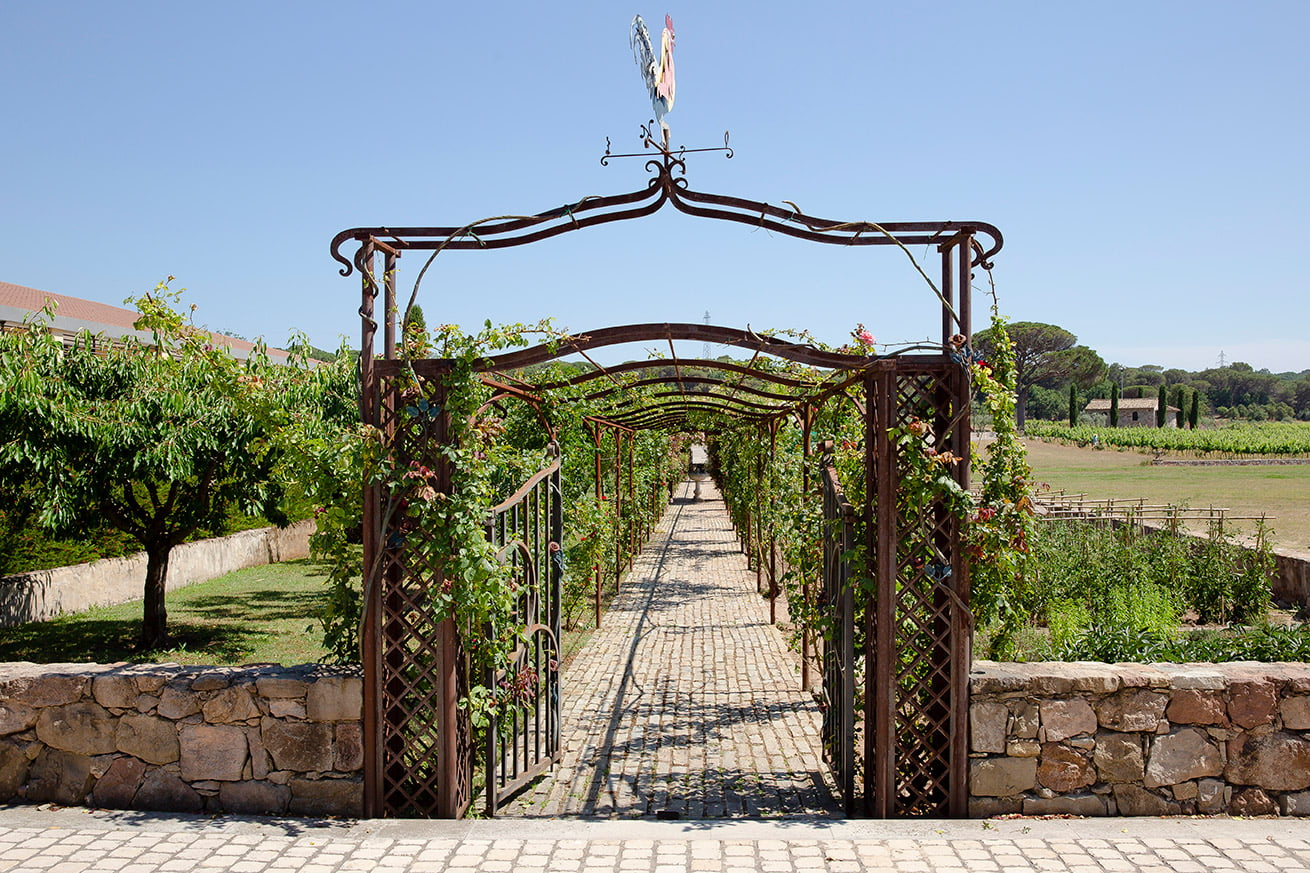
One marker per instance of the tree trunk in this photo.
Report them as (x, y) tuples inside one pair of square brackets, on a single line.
[(154, 623), (1021, 406)]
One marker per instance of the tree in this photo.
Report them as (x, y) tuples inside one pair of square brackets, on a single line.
[(1194, 414), (1180, 400), (160, 440), (1114, 406), (1162, 407), (1045, 355), (1073, 405)]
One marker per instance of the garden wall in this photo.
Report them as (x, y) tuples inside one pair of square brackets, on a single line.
[(261, 740), (43, 594), (1134, 739)]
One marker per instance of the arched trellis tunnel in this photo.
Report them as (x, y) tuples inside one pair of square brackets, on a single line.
[(916, 634)]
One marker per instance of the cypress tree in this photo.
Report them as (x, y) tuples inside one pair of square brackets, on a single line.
[(1162, 407), (1180, 400), (1195, 411), (1073, 405), (1114, 405)]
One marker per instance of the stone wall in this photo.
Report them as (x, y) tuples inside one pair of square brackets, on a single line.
[(43, 594), (1134, 739), (262, 739)]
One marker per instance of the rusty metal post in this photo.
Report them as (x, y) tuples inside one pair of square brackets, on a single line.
[(961, 622), (880, 609), (948, 295), (618, 507), (595, 434), (370, 633), (389, 304), (632, 528), (773, 528), (806, 424), (757, 550)]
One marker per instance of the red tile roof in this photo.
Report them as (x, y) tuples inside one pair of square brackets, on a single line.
[(32, 300)]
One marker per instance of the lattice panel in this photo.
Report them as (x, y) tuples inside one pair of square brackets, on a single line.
[(920, 708), (421, 650)]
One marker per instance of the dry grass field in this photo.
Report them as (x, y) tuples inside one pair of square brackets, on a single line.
[(1282, 492)]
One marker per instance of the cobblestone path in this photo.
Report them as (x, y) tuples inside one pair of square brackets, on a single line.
[(687, 702)]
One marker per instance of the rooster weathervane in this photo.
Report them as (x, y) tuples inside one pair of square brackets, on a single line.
[(658, 74)]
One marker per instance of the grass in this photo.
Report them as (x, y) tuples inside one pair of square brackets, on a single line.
[(1279, 492), (260, 615)]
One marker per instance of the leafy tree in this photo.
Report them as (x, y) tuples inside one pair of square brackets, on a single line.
[(1114, 406), (160, 440), (1045, 355)]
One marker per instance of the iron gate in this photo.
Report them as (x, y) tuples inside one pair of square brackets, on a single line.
[(527, 530), (838, 601)]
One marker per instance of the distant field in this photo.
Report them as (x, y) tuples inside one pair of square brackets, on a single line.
[(1282, 492)]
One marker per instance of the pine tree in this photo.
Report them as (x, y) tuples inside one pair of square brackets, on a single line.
[(1114, 405)]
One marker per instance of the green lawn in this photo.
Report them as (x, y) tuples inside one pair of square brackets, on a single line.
[(1279, 491), (261, 615)]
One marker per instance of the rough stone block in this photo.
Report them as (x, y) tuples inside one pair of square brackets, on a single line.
[(1133, 709), (1278, 761), (211, 681), (55, 690), (298, 745), (1135, 800), (178, 703), (15, 716), (1185, 754), (281, 686), (1185, 791), (1190, 706), (14, 766), (1211, 796), (349, 748), (148, 738), (1062, 719), (116, 691), (118, 787), (165, 792), (1252, 702), (212, 752), (1296, 712), (986, 807), (1082, 803), (1027, 719), (987, 724), (1064, 770), (1002, 777), (85, 728), (59, 777), (1252, 801), (1023, 748), (286, 707), (335, 698), (327, 797), (254, 798), (1296, 804), (232, 704)]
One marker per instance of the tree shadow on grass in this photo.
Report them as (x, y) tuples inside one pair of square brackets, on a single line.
[(261, 604), (108, 640)]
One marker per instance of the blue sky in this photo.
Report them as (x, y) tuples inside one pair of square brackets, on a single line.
[(1147, 162)]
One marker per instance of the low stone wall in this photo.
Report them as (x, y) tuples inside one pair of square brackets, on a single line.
[(1132, 739), (43, 594), (263, 740)]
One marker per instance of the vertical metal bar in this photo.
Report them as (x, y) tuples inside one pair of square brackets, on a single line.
[(595, 434), (806, 423), (618, 508), (556, 618), (632, 529), (880, 712), (961, 638), (370, 634), (948, 295), (389, 305), (449, 762), (773, 528)]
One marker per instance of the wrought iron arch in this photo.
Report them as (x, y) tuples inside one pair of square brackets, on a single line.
[(916, 726)]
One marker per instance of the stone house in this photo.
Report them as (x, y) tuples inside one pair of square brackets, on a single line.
[(1133, 412)]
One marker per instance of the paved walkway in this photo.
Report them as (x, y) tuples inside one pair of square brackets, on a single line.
[(687, 703), (78, 840)]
